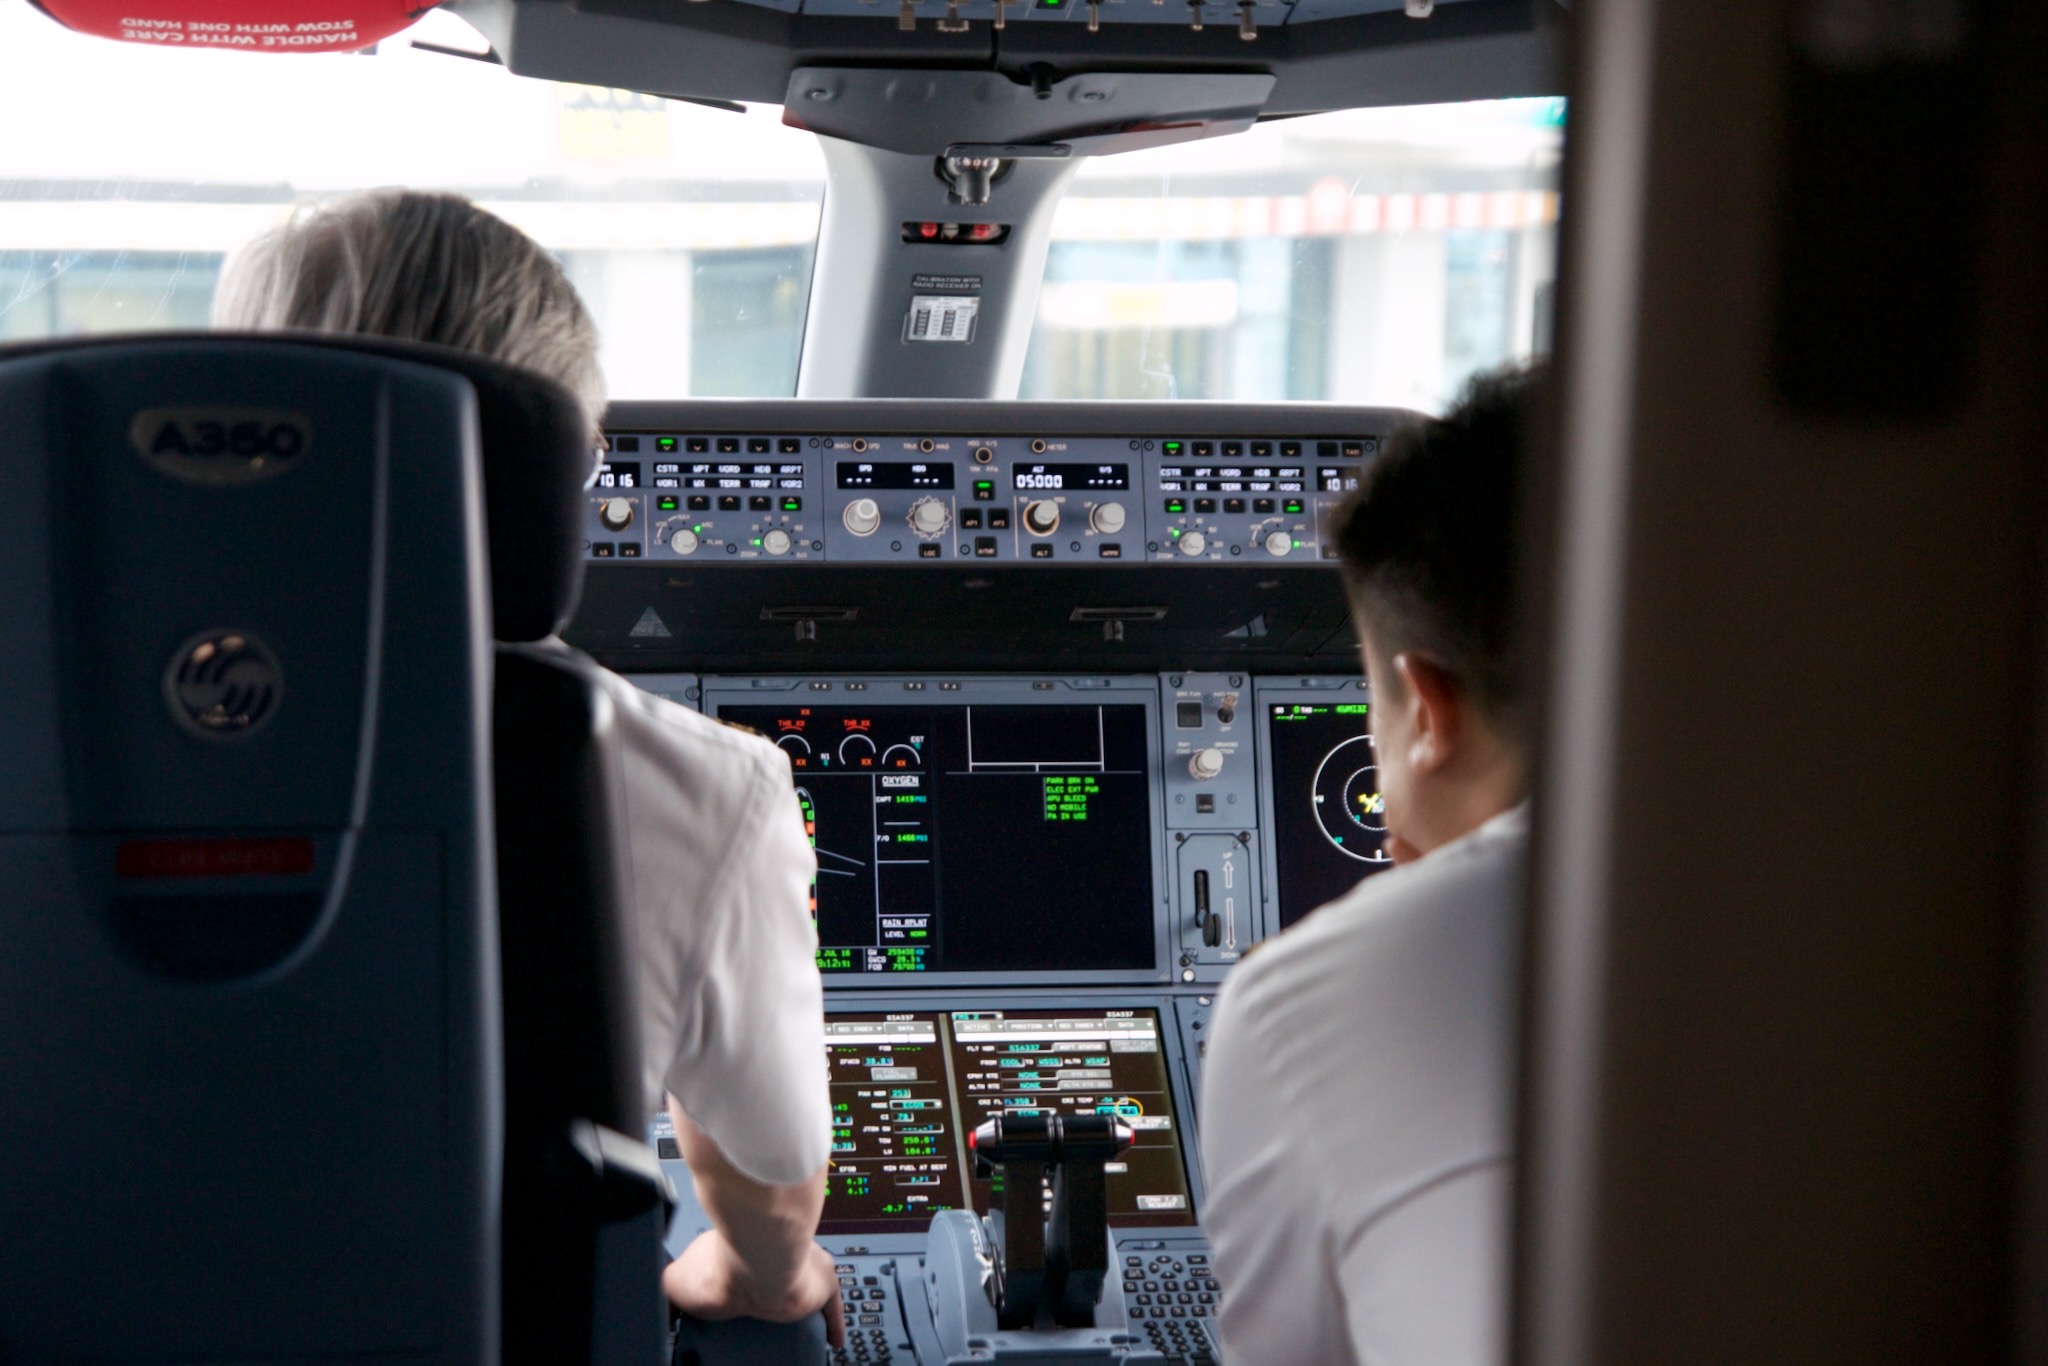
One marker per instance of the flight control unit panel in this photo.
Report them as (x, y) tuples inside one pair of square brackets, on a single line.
[(896, 496)]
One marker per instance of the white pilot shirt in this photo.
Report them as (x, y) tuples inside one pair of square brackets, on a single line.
[(1358, 1119), (732, 1008)]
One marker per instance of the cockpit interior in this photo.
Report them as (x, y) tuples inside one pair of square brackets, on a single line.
[(986, 378)]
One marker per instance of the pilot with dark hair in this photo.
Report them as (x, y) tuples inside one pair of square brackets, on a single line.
[(1357, 1117), (731, 1003)]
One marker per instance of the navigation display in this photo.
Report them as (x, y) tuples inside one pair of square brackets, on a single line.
[(1107, 1062), (1329, 818), (895, 1139), (971, 838)]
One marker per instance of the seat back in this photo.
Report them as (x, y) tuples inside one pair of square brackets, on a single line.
[(248, 1011), (582, 1240), (582, 1214)]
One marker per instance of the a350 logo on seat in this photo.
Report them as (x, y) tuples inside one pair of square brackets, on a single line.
[(221, 445)]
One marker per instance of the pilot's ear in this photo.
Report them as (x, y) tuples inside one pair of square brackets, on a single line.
[(1436, 710)]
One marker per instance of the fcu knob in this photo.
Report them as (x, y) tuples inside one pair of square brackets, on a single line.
[(929, 517), (683, 542), (1042, 518), (1193, 543), (1278, 543), (862, 517), (615, 513), (1107, 518), (776, 542), (1205, 764)]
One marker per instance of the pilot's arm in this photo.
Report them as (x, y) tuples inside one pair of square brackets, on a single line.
[(734, 1008), (759, 1259)]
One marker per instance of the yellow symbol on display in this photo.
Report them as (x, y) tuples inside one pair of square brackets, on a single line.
[(1372, 803)]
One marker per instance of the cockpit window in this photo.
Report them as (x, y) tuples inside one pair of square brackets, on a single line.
[(1374, 256), (129, 173)]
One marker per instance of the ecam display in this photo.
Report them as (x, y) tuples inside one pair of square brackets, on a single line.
[(974, 838)]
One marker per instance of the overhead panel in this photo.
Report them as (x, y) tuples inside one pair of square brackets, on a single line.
[(1269, 13), (1357, 54), (924, 112)]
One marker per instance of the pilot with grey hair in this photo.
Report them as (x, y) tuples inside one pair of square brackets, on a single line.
[(731, 1003)]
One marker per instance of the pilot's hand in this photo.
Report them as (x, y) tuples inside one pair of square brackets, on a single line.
[(709, 1281)]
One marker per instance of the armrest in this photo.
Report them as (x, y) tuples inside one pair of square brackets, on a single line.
[(625, 1174), (750, 1342)]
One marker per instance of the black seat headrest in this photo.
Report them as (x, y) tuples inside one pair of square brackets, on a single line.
[(537, 455)]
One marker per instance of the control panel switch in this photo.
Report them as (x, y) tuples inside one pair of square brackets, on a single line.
[(615, 513), (1107, 518), (930, 517), (1278, 543), (1042, 518), (683, 541), (776, 542), (1205, 764), (862, 517), (1193, 543)]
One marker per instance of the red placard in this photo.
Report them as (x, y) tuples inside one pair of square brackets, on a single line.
[(289, 856), (239, 25)]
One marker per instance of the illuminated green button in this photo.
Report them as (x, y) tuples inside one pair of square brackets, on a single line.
[(1292, 507), (665, 444), (1176, 506), (668, 502)]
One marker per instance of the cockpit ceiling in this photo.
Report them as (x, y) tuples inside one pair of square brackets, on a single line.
[(1173, 12), (1322, 54)]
